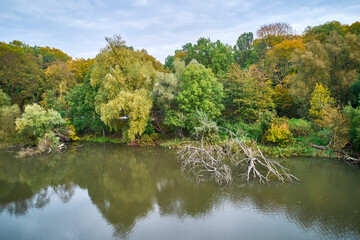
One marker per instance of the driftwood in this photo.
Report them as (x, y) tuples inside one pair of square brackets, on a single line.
[(319, 147), (62, 136), (218, 161)]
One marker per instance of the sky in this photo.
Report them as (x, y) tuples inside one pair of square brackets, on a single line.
[(79, 27)]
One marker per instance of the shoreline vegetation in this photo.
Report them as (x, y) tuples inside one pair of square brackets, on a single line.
[(290, 95)]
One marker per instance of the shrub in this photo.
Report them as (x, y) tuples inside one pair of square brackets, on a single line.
[(278, 132), (299, 127)]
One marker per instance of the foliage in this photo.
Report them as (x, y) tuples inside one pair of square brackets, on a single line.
[(299, 127), (164, 91), (274, 33), (214, 55), (243, 50), (8, 114), (338, 124), (124, 79), (145, 140), (320, 99), (48, 141), (333, 64), (284, 101), (20, 74), (205, 129), (279, 134), (278, 59), (4, 99), (248, 93), (59, 78), (199, 90), (37, 121), (80, 68), (81, 112), (50, 101), (321, 32), (354, 118)]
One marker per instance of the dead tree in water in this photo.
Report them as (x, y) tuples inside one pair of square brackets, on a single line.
[(218, 161)]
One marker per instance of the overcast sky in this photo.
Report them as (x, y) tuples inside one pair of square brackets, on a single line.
[(79, 27)]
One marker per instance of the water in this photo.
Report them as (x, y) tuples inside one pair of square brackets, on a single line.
[(108, 191)]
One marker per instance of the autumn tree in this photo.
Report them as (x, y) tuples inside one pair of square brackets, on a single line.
[(333, 64), (80, 67), (321, 100), (248, 92), (124, 79), (59, 78), (278, 59), (274, 33), (20, 74)]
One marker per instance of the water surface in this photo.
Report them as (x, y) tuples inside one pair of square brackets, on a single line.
[(109, 191)]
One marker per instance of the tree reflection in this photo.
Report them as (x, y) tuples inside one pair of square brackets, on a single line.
[(126, 184)]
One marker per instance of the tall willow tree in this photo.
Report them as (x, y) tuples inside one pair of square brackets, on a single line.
[(124, 79)]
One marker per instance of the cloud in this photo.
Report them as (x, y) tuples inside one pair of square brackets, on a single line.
[(141, 2), (159, 26)]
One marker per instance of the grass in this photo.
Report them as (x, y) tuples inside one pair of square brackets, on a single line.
[(89, 138)]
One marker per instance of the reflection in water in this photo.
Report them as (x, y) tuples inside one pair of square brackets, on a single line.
[(139, 190)]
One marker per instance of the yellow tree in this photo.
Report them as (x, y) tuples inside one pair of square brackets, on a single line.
[(124, 79)]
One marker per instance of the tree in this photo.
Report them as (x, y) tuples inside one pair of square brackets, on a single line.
[(82, 114), (354, 118), (38, 122), (124, 79), (4, 99), (333, 64), (248, 92), (278, 59), (8, 114), (322, 32), (200, 90), (320, 101), (80, 67), (284, 102), (59, 78), (165, 89), (243, 49), (274, 33), (20, 74), (214, 55)]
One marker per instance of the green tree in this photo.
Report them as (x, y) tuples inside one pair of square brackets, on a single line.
[(82, 114), (200, 90), (214, 55), (243, 50), (38, 123)]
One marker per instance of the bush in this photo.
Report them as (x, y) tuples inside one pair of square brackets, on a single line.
[(299, 127), (279, 132)]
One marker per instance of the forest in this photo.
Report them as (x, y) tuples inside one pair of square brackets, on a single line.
[(294, 94)]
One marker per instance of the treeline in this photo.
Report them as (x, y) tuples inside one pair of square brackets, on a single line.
[(279, 88)]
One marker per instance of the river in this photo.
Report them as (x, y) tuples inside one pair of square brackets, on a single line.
[(110, 191)]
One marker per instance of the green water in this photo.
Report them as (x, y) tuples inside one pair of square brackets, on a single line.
[(109, 191)]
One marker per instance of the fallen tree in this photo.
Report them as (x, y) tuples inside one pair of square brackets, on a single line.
[(219, 161)]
